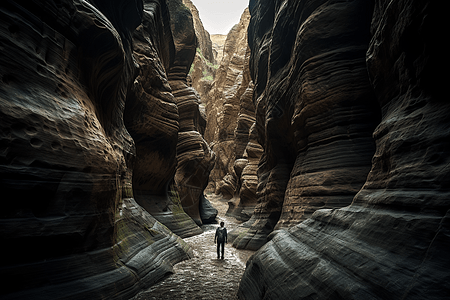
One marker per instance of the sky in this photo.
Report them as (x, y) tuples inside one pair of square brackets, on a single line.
[(219, 16)]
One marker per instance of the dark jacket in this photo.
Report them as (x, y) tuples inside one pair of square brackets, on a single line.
[(221, 235)]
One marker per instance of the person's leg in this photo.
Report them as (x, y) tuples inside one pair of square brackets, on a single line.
[(223, 248), (218, 250)]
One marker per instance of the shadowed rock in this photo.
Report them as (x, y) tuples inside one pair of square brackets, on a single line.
[(315, 110), (195, 158), (151, 117), (69, 225), (391, 242)]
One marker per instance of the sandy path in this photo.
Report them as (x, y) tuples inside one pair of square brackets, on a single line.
[(204, 276)]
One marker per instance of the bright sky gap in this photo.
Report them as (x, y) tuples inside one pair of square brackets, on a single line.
[(219, 16)]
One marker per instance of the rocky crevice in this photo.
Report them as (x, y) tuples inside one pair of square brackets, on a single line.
[(230, 112)]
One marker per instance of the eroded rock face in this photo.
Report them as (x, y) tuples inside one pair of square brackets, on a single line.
[(195, 158), (70, 227), (316, 110), (202, 71), (218, 41), (391, 242), (232, 83), (151, 117)]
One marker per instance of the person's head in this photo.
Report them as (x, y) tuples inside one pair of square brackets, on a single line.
[(222, 224)]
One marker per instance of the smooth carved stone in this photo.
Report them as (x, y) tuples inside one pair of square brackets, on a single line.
[(231, 83), (151, 117), (242, 207), (69, 226), (316, 110), (195, 158), (195, 162), (391, 242)]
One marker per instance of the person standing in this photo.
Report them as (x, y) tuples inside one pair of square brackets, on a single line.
[(221, 238)]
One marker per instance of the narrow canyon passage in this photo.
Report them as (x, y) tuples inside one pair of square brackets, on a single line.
[(204, 276)]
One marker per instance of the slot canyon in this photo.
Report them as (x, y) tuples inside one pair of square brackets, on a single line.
[(317, 130)]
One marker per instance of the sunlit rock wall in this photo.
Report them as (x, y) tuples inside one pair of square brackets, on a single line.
[(223, 109), (392, 241), (315, 110), (202, 71), (194, 156), (151, 117), (69, 225)]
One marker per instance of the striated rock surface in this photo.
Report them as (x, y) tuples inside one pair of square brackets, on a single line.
[(203, 69), (243, 206), (218, 41), (316, 110), (151, 117), (69, 225), (194, 156), (203, 37), (232, 83), (391, 242)]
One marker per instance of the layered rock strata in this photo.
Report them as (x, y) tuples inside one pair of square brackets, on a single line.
[(203, 68), (243, 206), (391, 242), (315, 110), (194, 156), (69, 225), (218, 41), (232, 83), (151, 117)]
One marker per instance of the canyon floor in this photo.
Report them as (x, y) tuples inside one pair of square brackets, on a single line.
[(204, 276)]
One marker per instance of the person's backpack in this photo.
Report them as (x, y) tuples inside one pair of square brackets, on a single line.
[(221, 234)]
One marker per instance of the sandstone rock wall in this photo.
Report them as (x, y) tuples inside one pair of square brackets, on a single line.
[(151, 117), (232, 83), (315, 110), (194, 156), (218, 41), (70, 226), (391, 242), (203, 69)]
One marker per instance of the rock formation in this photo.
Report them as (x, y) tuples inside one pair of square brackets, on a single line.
[(243, 206), (391, 242), (203, 69), (70, 226), (195, 158), (218, 41), (232, 82), (316, 111), (151, 117)]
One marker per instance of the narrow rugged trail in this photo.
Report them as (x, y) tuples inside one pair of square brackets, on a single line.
[(204, 276)]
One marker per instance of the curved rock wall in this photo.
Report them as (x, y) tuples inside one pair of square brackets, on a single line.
[(231, 83), (391, 242), (195, 158), (203, 68), (151, 117), (70, 227), (316, 110)]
